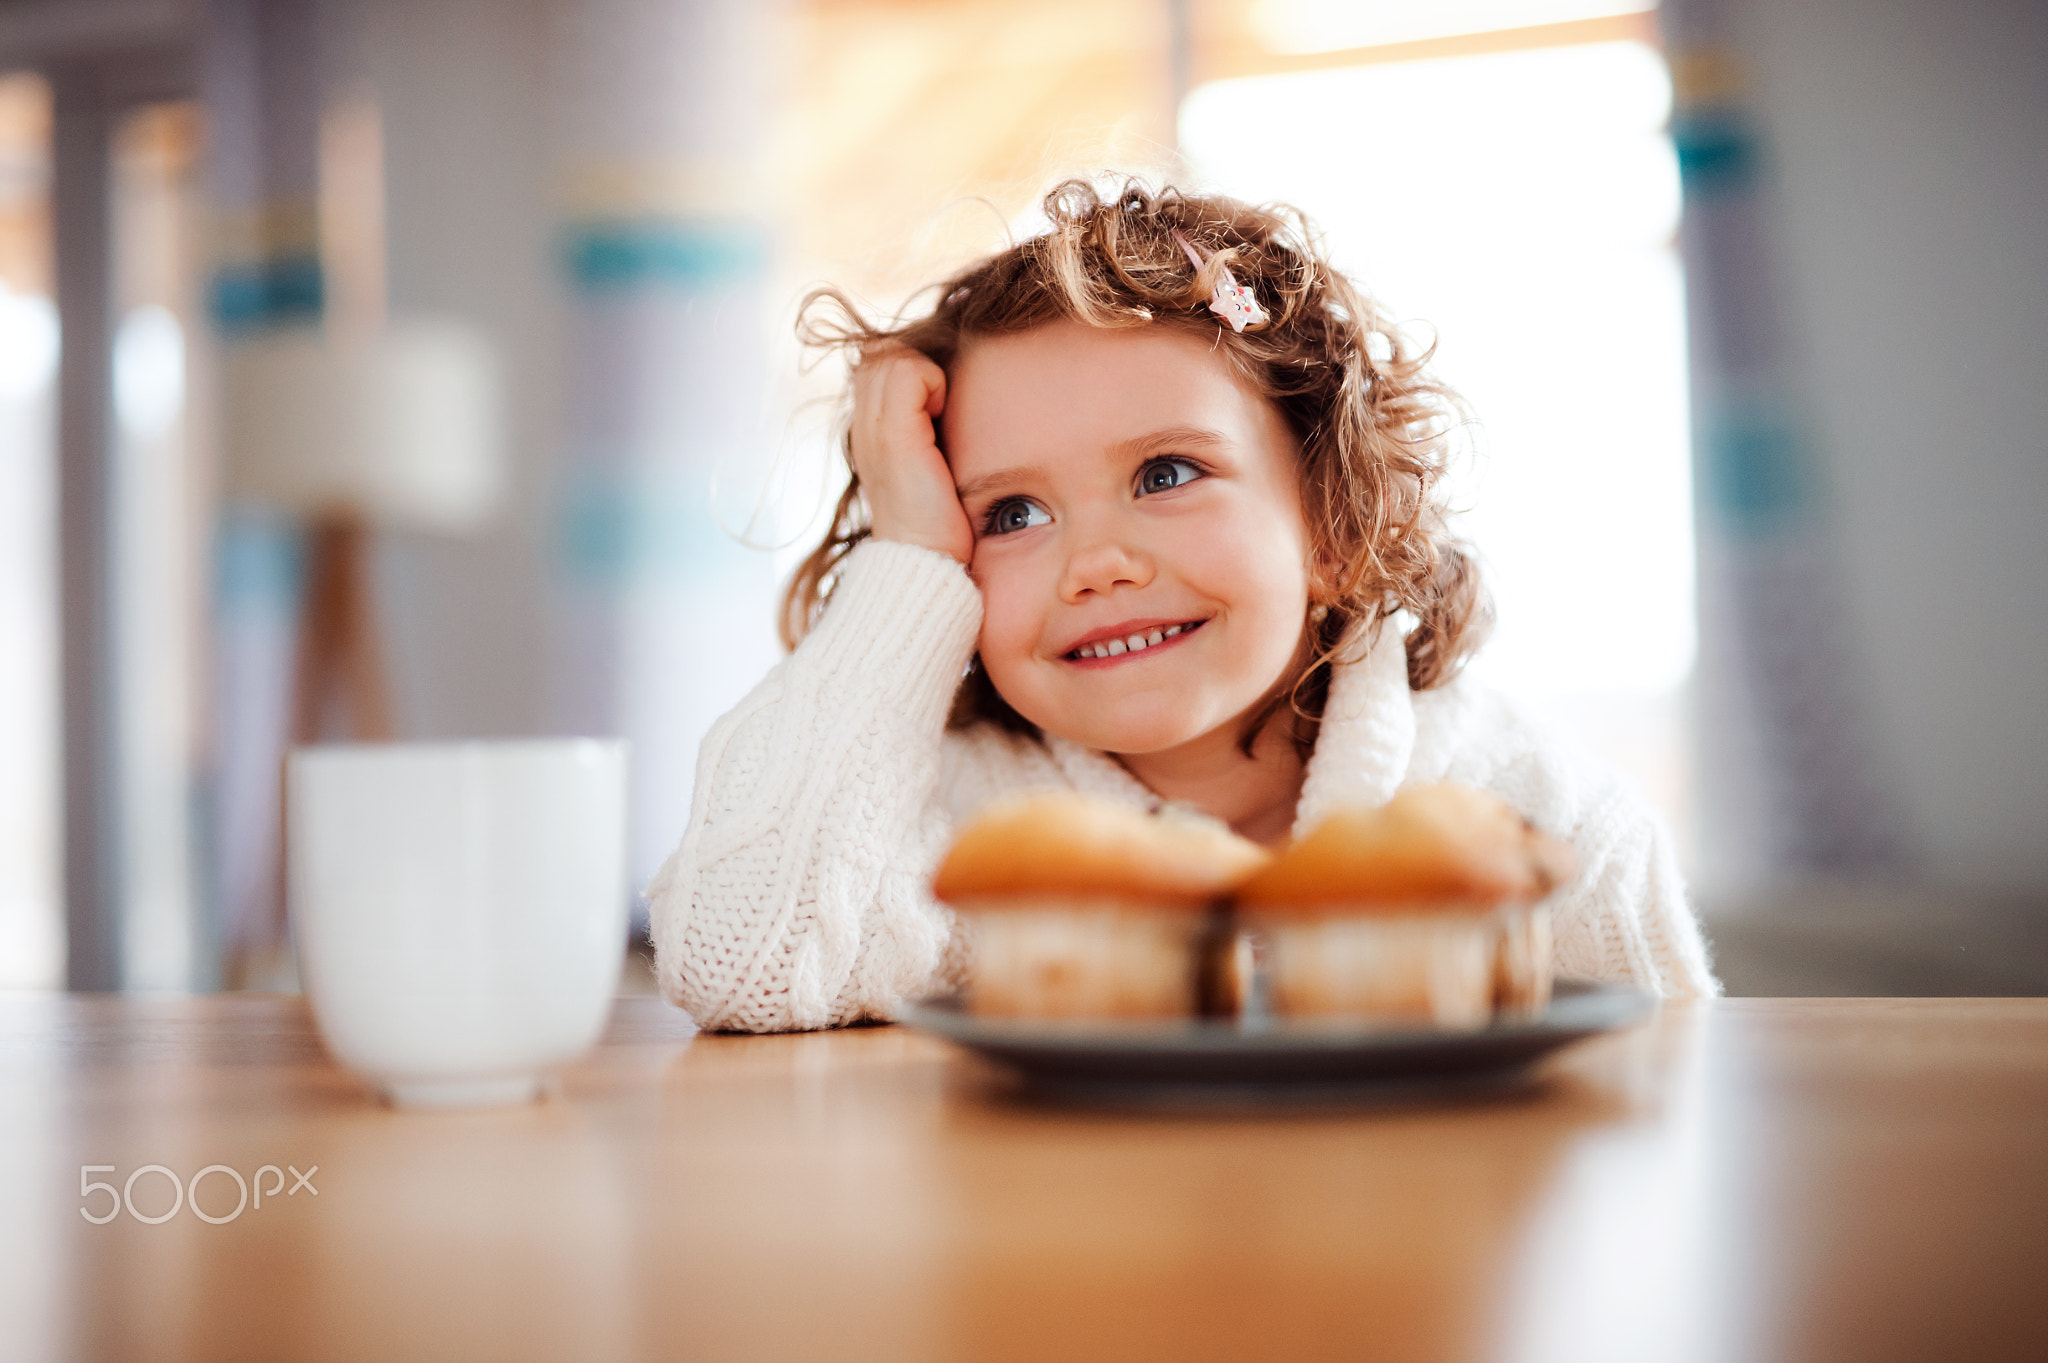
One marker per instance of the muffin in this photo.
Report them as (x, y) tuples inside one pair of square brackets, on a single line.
[(1073, 907), (1423, 912)]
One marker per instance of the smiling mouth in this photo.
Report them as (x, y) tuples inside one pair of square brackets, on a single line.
[(1109, 650)]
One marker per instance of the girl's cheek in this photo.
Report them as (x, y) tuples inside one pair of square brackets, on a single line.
[(1229, 551), (1004, 620)]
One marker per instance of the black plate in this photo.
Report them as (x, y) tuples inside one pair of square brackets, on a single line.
[(1261, 1061)]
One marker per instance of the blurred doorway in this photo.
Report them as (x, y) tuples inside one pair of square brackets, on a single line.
[(162, 526), (31, 898), (156, 509)]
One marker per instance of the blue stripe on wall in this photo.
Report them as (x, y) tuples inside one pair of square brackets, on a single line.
[(617, 531), (1757, 471), (282, 289), (603, 256), (1718, 152), (258, 560)]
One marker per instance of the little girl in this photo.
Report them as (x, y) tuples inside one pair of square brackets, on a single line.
[(1098, 538)]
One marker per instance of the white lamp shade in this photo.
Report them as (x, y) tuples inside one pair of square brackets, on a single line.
[(403, 429)]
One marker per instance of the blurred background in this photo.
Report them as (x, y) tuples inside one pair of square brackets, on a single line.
[(424, 369)]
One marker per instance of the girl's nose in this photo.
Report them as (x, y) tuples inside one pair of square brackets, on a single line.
[(1101, 565)]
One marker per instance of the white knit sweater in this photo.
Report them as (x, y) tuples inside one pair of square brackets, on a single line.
[(799, 899)]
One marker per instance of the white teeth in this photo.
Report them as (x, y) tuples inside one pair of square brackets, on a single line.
[(1118, 647)]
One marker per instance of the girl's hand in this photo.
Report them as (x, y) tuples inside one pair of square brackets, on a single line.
[(897, 396)]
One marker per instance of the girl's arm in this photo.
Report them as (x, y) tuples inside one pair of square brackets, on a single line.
[(798, 898), (1625, 918)]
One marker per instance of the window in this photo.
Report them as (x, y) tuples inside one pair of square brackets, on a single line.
[(1523, 206)]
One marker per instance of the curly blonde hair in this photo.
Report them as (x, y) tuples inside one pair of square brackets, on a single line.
[(1373, 431)]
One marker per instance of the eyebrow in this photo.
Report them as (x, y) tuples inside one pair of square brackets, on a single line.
[(1171, 438), (1151, 443), (1002, 480)]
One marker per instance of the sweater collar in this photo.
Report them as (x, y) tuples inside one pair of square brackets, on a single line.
[(1093, 772), (1368, 733), (1362, 750)]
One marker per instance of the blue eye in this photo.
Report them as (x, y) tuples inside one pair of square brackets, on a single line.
[(1163, 474), (1006, 518)]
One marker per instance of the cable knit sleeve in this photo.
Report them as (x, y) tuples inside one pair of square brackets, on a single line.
[(798, 896), (1625, 918)]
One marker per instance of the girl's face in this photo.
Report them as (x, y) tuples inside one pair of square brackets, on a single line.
[(1125, 487)]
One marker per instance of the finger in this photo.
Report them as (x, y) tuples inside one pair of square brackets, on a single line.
[(918, 384), (915, 384)]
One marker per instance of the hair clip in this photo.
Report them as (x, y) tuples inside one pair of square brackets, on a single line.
[(1232, 301)]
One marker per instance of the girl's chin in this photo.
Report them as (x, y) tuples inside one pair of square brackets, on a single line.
[(1135, 736), (1149, 722)]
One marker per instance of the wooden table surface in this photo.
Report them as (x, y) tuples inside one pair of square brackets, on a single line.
[(1743, 1180)]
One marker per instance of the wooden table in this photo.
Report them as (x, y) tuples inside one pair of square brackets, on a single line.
[(1746, 1180)]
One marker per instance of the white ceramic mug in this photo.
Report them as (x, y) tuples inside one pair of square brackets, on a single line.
[(459, 909)]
